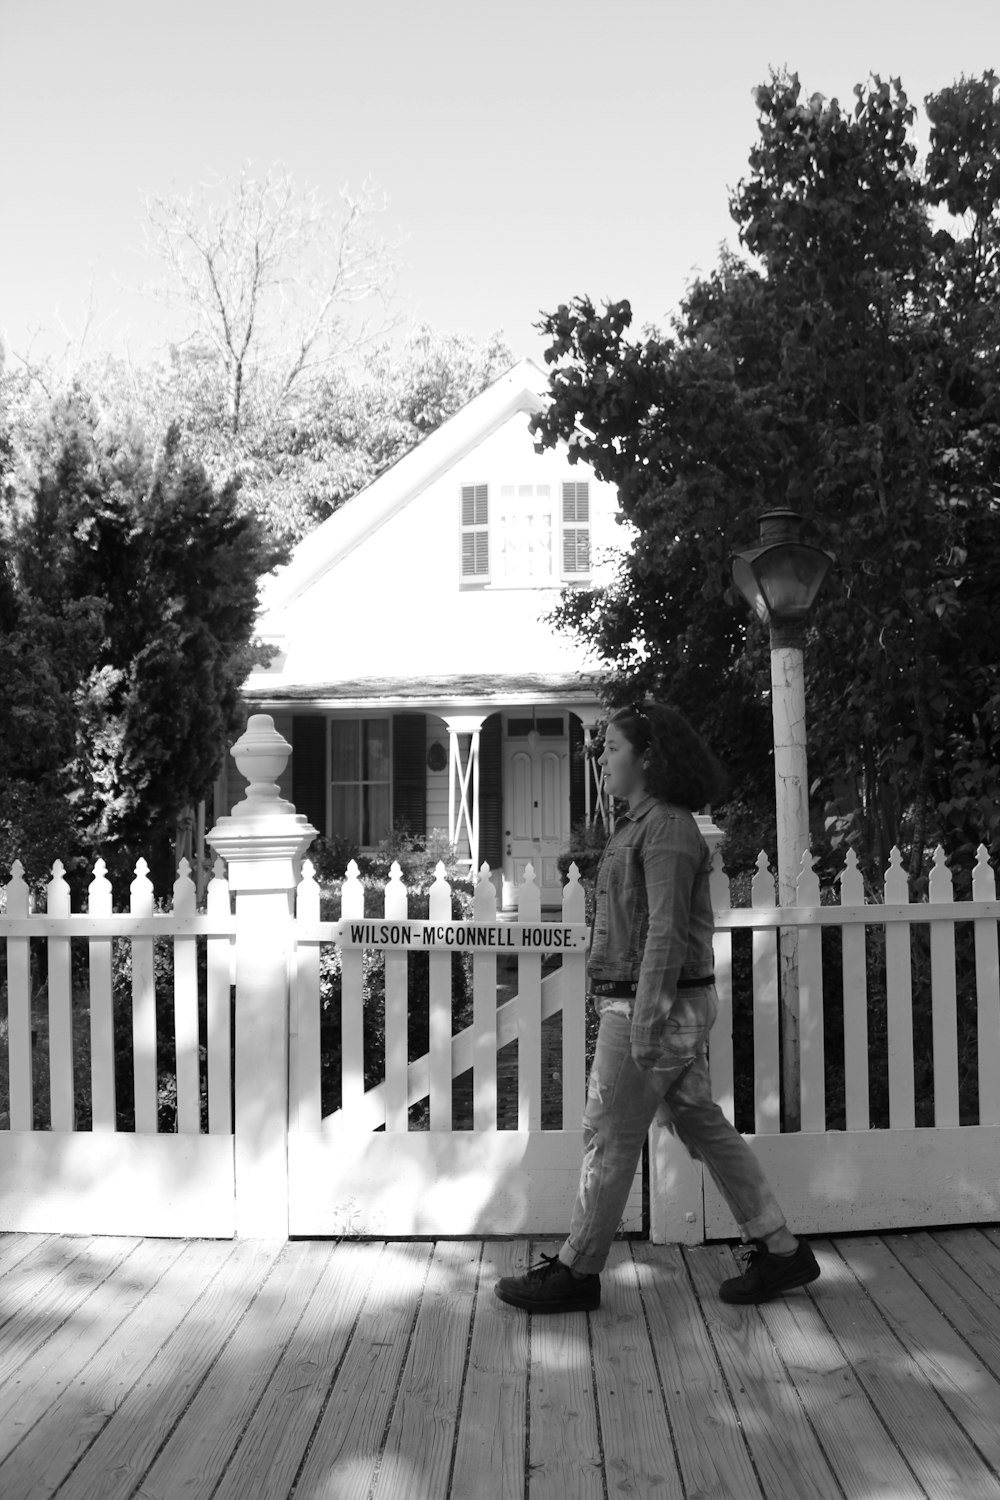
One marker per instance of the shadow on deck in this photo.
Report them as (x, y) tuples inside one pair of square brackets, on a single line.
[(388, 1371)]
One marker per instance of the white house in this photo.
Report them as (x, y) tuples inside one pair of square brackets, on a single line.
[(416, 676)]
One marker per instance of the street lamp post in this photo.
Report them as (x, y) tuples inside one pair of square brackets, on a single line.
[(780, 579)]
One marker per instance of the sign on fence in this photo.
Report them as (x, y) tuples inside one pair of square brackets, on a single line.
[(512, 937)]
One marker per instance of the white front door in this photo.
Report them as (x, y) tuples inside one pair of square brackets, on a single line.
[(535, 802)]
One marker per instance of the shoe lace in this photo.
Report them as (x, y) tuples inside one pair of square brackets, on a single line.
[(548, 1265), (750, 1257)]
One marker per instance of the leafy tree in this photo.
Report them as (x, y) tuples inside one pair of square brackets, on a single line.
[(849, 370), (341, 429), (126, 617)]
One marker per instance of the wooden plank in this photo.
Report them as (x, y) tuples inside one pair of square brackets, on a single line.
[(277, 1435), (484, 1041), (417, 1453), (572, 982), (944, 1000), (484, 1014), (55, 1286), (945, 1360), (956, 1294), (15, 1248), (529, 1017), (861, 1455), (71, 1335), (766, 1016), (346, 1444), (787, 1457), (60, 989), (143, 1008), (811, 1049), (564, 1456), (186, 1040), (977, 1251), (102, 1021), (489, 1448), (439, 981), (697, 1400), (857, 1107), (529, 1041), (396, 1012), (305, 1104), (124, 1403), (20, 1071), (933, 1443), (196, 1458), (219, 979), (899, 1004), (638, 1454), (352, 1035), (987, 995)]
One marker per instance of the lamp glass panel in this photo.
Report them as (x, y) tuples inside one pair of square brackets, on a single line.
[(789, 578)]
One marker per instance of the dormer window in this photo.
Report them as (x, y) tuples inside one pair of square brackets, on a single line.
[(525, 535)]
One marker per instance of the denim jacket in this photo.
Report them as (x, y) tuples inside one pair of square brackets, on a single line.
[(653, 922)]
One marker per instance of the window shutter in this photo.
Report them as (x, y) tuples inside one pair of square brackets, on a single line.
[(491, 793), (409, 773), (476, 532), (309, 769), (576, 528)]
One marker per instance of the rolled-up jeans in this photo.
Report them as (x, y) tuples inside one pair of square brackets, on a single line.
[(622, 1102)]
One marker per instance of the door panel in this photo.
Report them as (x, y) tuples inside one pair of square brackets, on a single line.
[(536, 813)]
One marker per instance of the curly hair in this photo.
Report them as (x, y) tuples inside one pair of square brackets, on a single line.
[(682, 769)]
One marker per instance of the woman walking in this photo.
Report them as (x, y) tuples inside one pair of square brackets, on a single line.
[(650, 972)]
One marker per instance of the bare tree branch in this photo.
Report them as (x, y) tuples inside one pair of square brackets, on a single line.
[(272, 276)]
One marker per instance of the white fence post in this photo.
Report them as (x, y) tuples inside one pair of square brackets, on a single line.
[(260, 842)]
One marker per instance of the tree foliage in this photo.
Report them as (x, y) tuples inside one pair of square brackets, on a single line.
[(848, 368), (127, 606)]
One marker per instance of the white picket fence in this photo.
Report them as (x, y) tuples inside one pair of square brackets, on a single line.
[(857, 1176), (364, 1168), (55, 1176)]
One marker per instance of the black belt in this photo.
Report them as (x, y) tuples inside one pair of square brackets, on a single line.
[(626, 989)]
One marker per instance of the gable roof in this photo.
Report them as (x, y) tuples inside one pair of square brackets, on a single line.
[(521, 389)]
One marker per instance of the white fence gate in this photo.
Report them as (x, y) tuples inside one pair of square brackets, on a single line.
[(363, 1168)]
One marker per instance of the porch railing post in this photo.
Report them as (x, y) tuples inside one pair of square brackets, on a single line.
[(261, 841)]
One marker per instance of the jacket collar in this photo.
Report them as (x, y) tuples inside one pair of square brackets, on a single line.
[(641, 808)]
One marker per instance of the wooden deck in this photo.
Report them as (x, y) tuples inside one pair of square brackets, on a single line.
[(166, 1370)]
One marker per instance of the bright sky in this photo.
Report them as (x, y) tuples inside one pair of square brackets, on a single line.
[(531, 150)]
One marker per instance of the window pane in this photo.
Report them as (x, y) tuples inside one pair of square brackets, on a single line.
[(344, 812), (344, 762), (375, 814), (377, 759)]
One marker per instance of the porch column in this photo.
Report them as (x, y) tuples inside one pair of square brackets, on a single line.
[(595, 805), (261, 841), (463, 782)]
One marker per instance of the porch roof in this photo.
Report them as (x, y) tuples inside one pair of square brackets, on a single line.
[(467, 689)]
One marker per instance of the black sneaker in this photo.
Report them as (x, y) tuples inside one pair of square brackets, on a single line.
[(766, 1275), (550, 1287)]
